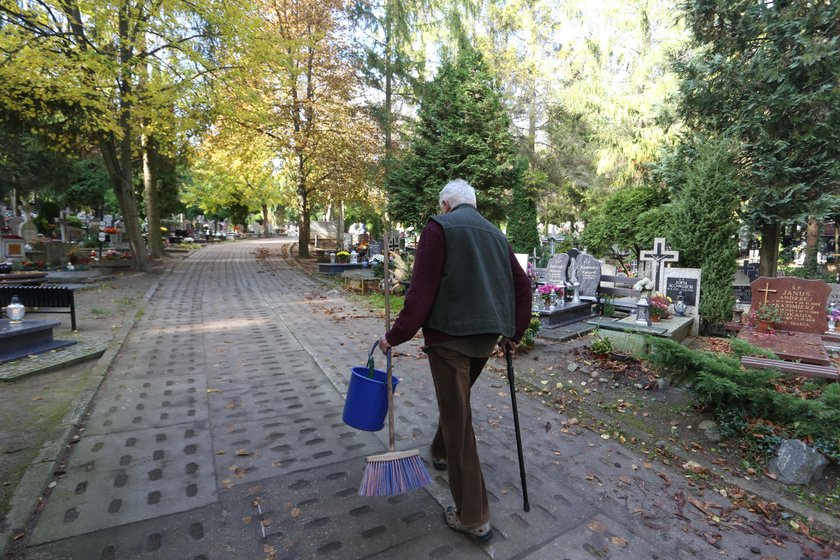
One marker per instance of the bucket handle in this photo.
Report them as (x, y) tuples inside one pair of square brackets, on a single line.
[(370, 365)]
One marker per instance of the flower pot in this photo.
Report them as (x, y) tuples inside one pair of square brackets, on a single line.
[(654, 318), (763, 326)]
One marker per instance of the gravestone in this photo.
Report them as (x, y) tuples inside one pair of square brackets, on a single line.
[(555, 270), (751, 270), (376, 247), (741, 290), (658, 257), (14, 224), (803, 302), (586, 269), (29, 232), (685, 280)]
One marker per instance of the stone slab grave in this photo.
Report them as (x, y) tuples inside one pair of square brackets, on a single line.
[(798, 336), (18, 340), (557, 273)]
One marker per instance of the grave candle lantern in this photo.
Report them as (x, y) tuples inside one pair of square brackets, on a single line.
[(15, 310)]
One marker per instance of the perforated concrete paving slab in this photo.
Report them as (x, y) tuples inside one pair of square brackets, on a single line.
[(318, 514), (118, 478), (148, 402), (250, 451), (287, 388), (199, 534)]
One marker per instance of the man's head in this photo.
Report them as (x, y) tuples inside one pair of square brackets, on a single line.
[(456, 192)]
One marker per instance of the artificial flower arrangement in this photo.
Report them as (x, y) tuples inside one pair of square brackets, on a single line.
[(833, 314), (659, 306), (546, 290), (765, 312), (645, 284)]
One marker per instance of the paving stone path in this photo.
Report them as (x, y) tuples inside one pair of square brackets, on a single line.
[(217, 434)]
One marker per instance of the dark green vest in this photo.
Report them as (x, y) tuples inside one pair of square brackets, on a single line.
[(476, 294)]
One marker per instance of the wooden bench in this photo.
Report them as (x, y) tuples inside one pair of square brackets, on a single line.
[(795, 368), (42, 299), (622, 292)]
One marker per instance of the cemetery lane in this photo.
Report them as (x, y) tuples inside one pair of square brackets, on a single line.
[(218, 434)]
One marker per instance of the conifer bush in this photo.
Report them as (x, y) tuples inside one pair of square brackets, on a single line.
[(734, 394)]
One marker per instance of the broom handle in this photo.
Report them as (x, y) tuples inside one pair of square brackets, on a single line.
[(525, 505), (386, 273), (391, 445)]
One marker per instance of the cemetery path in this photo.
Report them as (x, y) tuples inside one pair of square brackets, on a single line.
[(217, 433)]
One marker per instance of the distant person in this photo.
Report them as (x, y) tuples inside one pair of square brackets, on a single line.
[(467, 290)]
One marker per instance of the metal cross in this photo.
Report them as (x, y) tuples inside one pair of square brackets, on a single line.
[(660, 256), (766, 289)]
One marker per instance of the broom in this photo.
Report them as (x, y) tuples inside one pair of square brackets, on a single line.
[(395, 472)]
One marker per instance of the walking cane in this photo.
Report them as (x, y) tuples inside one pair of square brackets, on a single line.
[(525, 505)]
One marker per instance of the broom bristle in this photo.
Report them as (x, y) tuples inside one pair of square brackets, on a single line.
[(394, 473)]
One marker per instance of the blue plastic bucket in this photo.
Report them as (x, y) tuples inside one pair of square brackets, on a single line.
[(367, 399)]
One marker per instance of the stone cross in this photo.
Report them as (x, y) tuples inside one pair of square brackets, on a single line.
[(660, 256)]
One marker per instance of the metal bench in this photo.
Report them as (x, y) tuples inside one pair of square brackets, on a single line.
[(42, 299), (622, 293)]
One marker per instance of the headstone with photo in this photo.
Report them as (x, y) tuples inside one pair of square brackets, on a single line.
[(555, 270), (586, 269)]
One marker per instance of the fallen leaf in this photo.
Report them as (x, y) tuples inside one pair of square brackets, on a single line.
[(242, 453), (618, 541), (625, 479), (664, 477), (38, 399), (266, 522), (213, 390), (295, 513), (220, 452), (695, 467), (596, 526)]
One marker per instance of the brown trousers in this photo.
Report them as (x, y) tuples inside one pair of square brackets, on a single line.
[(454, 374)]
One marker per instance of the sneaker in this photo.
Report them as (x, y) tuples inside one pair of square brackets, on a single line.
[(481, 534), (439, 464)]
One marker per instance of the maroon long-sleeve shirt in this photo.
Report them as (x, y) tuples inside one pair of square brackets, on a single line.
[(425, 283)]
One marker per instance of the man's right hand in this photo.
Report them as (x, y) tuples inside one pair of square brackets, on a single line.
[(508, 344)]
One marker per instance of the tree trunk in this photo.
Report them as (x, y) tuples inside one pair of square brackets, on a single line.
[(151, 196), (303, 220), (122, 182), (266, 221), (769, 251), (812, 235)]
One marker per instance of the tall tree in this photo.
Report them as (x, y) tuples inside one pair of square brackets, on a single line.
[(294, 85), (765, 74), (463, 131), (73, 69)]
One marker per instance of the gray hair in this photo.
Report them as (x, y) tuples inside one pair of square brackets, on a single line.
[(457, 192)]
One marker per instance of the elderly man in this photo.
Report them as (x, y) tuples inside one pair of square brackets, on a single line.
[(467, 290)]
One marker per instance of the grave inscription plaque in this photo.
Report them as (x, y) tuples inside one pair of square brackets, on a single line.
[(803, 302)]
